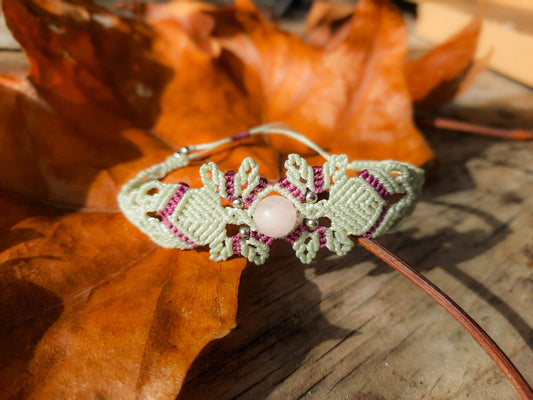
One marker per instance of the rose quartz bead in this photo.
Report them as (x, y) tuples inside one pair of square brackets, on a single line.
[(275, 216)]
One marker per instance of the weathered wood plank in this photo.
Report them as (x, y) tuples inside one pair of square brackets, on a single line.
[(352, 328)]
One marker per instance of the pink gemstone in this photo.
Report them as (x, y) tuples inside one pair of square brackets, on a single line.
[(275, 216)]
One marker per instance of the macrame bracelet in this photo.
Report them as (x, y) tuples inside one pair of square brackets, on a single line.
[(294, 208)]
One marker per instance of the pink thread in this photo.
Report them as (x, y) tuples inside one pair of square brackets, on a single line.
[(236, 243), (262, 238), (284, 182), (375, 183), (378, 222), (239, 136), (318, 179), (230, 189), (295, 234), (175, 199), (253, 195), (321, 230), (175, 230)]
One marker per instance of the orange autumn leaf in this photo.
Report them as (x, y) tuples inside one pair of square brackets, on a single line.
[(327, 22), (86, 313), (357, 86), (90, 307), (447, 70), (434, 79)]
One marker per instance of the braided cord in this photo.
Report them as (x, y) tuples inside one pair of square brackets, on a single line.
[(176, 216)]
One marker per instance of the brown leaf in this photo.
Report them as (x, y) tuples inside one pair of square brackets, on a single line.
[(447, 70), (90, 307), (350, 98), (438, 77), (85, 312), (327, 23)]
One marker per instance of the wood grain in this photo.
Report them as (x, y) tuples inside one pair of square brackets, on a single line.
[(352, 328), (515, 378)]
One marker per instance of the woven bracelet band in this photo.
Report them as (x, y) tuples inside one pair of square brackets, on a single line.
[(311, 207)]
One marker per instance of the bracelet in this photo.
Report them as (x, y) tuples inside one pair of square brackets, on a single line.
[(312, 207)]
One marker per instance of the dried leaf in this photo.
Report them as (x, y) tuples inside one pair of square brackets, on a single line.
[(438, 77), (327, 23), (87, 313), (447, 70), (89, 306), (365, 110)]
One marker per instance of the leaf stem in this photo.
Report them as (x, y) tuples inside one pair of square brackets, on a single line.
[(485, 341), (454, 125)]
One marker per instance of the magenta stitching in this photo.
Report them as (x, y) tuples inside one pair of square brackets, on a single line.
[(375, 183), (175, 230), (175, 199), (169, 209), (378, 222), (230, 189), (321, 230), (240, 135), (236, 244), (318, 179), (284, 182), (253, 195), (262, 238), (295, 234)]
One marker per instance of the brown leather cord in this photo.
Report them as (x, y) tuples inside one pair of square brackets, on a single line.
[(491, 348), (460, 126)]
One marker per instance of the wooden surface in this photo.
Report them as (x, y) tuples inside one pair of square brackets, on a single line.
[(352, 328)]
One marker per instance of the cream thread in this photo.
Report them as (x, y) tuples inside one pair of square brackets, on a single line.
[(176, 216)]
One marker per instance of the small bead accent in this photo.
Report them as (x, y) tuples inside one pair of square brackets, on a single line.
[(185, 150), (244, 232), (237, 203), (311, 197), (311, 224)]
